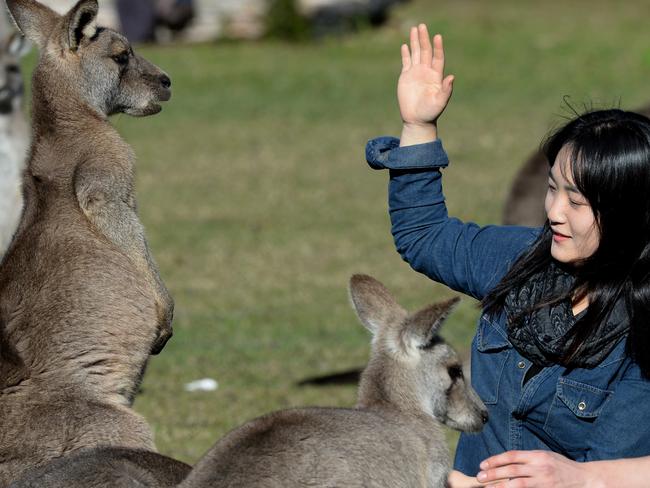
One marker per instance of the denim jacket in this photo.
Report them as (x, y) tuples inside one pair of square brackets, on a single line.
[(584, 414)]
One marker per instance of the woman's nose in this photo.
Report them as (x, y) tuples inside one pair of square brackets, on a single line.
[(554, 209)]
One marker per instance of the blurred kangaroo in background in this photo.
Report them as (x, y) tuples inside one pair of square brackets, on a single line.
[(14, 136), (82, 305), (413, 384)]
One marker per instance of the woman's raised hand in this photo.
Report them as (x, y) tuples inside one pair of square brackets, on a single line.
[(422, 91)]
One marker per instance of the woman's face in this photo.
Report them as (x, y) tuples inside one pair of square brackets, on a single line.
[(575, 233)]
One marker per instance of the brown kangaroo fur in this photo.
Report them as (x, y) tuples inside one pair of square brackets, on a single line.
[(413, 384), (524, 203), (82, 305)]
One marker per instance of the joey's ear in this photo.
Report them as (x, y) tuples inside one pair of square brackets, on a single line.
[(17, 45), (422, 327), (80, 22), (374, 304), (35, 21)]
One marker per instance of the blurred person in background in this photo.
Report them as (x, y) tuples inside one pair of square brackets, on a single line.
[(139, 19)]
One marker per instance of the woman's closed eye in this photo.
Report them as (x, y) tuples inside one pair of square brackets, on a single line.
[(577, 200)]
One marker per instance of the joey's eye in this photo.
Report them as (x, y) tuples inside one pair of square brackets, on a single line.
[(13, 68), (121, 59), (455, 372)]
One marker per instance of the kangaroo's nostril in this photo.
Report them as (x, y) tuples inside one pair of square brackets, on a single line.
[(484, 417), (165, 81)]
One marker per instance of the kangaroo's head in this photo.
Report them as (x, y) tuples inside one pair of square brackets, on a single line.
[(11, 78), (411, 366), (91, 64)]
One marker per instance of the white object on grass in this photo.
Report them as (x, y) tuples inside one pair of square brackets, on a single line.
[(205, 384)]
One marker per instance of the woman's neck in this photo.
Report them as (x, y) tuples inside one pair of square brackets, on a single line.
[(579, 304)]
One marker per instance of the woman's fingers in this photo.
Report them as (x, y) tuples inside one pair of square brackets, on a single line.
[(448, 84), (505, 473), (415, 46), (426, 51), (406, 58), (438, 62), (510, 457)]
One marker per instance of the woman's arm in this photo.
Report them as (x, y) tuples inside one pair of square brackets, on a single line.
[(466, 257)]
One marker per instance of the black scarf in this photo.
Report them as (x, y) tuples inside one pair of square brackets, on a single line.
[(544, 335)]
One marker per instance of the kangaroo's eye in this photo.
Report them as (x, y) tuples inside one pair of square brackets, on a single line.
[(455, 372), (13, 68), (121, 59)]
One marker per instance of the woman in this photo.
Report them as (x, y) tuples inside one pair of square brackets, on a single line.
[(559, 357)]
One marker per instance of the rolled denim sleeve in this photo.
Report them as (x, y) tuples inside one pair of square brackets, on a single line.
[(464, 256)]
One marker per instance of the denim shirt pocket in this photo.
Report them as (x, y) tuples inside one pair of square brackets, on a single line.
[(492, 352), (573, 411)]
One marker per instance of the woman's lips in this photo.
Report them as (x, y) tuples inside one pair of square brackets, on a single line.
[(558, 237)]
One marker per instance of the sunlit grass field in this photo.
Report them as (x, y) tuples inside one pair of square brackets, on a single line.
[(259, 205)]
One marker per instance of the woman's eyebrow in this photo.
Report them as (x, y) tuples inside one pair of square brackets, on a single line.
[(569, 188)]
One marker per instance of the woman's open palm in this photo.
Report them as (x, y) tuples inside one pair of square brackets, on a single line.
[(422, 91)]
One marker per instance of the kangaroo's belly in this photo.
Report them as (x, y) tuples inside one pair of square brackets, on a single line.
[(71, 302)]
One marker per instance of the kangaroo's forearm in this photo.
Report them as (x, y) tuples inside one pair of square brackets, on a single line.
[(113, 214)]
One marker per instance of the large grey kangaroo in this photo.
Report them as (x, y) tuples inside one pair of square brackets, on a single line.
[(82, 305), (14, 136), (413, 384)]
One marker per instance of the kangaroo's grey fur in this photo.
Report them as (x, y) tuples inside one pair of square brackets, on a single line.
[(106, 467), (82, 305), (413, 384), (14, 136)]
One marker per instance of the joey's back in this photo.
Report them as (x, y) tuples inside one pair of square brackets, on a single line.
[(82, 305)]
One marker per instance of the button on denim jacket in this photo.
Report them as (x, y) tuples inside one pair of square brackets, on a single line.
[(584, 414)]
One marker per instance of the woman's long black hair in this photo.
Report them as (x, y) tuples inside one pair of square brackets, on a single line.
[(610, 163)]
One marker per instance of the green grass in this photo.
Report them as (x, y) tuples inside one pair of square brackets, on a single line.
[(258, 203)]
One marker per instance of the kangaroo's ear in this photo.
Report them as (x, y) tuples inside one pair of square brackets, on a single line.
[(17, 45), (373, 303), (421, 328), (34, 20), (80, 22)]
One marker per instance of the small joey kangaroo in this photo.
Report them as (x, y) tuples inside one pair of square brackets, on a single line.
[(82, 305), (14, 135), (413, 384)]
